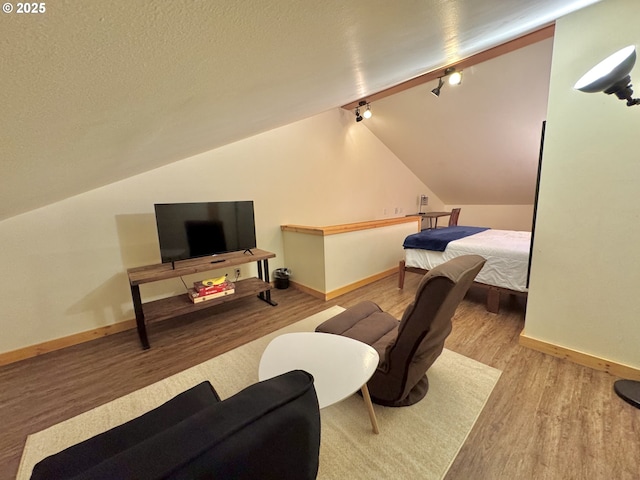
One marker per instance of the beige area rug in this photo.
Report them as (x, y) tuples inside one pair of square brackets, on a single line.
[(416, 442)]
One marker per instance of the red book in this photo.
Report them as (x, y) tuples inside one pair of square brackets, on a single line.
[(203, 289), (197, 298)]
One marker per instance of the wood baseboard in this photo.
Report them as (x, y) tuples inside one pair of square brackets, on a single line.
[(58, 343), (613, 368), (347, 288), (360, 283), (308, 290)]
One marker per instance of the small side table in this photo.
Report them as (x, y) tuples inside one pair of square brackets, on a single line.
[(340, 365)]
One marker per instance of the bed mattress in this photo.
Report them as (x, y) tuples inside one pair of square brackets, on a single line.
[(506, 252)]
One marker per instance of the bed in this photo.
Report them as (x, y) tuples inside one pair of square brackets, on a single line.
[(506, 252)]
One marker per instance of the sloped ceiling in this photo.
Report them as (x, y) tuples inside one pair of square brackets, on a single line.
[(94, 92), (477, 143)]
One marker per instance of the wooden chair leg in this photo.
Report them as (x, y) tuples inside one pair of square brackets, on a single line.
[(369, 404)]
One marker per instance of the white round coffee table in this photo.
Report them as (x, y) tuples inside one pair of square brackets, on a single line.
[(340, 365)]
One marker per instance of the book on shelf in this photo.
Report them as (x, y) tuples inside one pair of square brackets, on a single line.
[(205, 289), (197, 297)]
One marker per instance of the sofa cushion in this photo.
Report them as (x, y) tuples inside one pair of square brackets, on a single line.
[(89, 453)]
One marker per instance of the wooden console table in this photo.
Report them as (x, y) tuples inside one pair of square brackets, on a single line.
[(181, 304)]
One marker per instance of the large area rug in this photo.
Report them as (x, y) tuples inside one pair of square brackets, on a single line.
[(420, 441)]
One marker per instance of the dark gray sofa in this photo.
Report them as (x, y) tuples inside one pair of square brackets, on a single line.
[(269, 430)]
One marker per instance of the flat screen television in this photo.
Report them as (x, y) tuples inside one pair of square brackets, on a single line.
[(190, 230)]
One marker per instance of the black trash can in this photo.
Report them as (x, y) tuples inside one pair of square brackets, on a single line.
[(281, 278)]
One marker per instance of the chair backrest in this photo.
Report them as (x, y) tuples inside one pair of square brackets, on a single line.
[(425, 325), (453, 218)]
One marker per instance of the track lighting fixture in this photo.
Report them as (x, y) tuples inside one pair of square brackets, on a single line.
[(612, 76), (367, 112), (455, 78)]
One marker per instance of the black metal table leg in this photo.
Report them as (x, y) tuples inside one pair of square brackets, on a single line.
[(266, 295), (140, 325), (260, 270)]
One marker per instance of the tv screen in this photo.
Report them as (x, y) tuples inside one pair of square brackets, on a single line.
[(190, 230)]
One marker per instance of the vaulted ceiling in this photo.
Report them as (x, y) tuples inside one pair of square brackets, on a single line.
[(94, 92), (478, 143)]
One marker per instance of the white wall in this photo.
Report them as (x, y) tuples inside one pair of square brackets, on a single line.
[(347, 261), (586, 265), (331, 260), (64, 266), (306, 259)]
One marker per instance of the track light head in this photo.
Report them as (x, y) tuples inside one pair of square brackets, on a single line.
[(358, 116), (436, 91), (455, 78), (367, 113)]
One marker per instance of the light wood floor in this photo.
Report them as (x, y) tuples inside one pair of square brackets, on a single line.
[(546, 418)]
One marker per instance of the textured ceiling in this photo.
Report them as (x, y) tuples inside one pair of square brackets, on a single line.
[(94, 92)]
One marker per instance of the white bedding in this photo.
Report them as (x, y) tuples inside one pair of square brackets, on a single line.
[(506, 252)]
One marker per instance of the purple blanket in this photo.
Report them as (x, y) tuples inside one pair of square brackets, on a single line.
[(438, 238)]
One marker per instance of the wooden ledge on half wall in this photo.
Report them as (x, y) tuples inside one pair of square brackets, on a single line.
[(350, 227)]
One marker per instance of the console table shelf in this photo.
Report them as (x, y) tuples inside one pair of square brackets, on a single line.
[(180, 305)]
